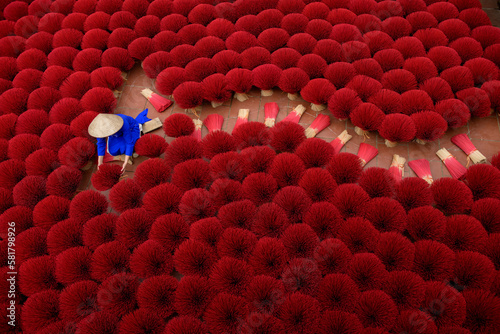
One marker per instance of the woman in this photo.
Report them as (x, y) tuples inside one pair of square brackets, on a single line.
[(118, 133)]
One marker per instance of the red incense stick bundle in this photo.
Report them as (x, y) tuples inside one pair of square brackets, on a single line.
[(366, 153), (465, 144), (396, 170), (271, 110), (213, 122), (159, 102), (422, 168), (456, 169), (242, 118), (295, 115), (319, 124), (340, 141), (197, 129)]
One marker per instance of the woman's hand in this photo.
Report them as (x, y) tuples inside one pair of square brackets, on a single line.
[(123, 167), (125, 163)]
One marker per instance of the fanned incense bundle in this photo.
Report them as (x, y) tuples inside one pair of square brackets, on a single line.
[(422, 168), (271, 110), (242, 118), (340, 141), (366, 153), (397, 167), (319, 124), (159, 102), (213, 122), (295, 115), (197, 129), (465, 144), (455, 168)]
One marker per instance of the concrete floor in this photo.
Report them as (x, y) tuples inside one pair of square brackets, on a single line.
[(484, 132)]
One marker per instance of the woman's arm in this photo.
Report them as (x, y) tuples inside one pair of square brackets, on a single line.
[(101, 150)]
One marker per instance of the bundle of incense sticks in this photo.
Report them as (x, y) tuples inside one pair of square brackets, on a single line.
[(465, 144), (271, 110), (320, 123), (456, 169), (295, 115), (422, 168), (242, 117), (213, 122), (159, 102), (197, 128), (340, 141), (366, 153), (396, 170)]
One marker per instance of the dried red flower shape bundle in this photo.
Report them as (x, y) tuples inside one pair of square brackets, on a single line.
[(271, 220), (483, 180), (345, 168), (299, 311), (149, 259), (77, 152), (29, 191), (367, 271), (485, 210), (285, 58), (178, 125), (266, 77), (156, 294), (37, 274), (40, 310), (99, 230), (229, 165), (73, 265), (359, 235), (78, 300)]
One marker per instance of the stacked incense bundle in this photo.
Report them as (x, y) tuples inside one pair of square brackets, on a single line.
[(396, 170), (340, 141), (455, 168), (319, 124), (465, 144), (242, 118), (366, 153), (159, 102), (197, 128), (295, 115), (422, 168), (213, 122), (271, 110)]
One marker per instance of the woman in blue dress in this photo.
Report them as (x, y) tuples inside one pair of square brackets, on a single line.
[(117, 134)]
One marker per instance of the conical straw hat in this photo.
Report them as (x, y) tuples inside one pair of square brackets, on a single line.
[(104, 125)]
